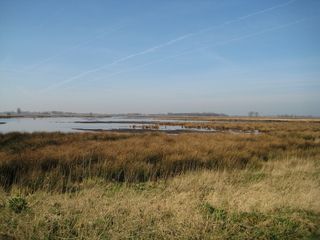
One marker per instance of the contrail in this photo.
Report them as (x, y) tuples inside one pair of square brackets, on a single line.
[(115, 62), (246, 16), (154, 48), (207, 47), (267, 9)]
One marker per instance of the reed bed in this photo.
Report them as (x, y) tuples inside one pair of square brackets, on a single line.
[(244, 124), (221, 185), (57, 161), (277, 201)]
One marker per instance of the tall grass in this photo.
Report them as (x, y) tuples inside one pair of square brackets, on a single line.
[(277, 201), (57, 161), (160, 186)]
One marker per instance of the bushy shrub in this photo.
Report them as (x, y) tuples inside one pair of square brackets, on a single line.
[(18, 204)]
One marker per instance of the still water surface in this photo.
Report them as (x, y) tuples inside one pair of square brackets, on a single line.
[(75, 124)]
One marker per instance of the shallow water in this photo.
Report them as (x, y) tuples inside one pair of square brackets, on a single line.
[(76, 124)]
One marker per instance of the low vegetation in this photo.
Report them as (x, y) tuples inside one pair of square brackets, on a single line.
[(162, 186), (262, 125)]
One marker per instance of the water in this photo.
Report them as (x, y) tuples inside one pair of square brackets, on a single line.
[(76, 124)]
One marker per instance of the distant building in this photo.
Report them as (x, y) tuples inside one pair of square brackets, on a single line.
[(18, 111), (253, 114)]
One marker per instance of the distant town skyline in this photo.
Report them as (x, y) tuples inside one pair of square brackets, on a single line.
[(28, 113), (231, 57)]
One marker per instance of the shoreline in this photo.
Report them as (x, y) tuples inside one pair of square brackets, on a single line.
[(128, 130)]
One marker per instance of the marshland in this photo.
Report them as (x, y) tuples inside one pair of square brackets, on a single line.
[(196, 185), (180, 119)]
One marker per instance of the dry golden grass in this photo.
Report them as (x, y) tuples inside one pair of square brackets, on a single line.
[(278, 201), (160, 186), (264, 125), (56, 161), (242, 119)]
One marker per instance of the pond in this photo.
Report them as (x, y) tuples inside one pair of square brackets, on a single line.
[(76, 124)]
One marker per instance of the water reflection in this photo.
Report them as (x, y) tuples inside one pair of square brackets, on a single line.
[(75, 124)]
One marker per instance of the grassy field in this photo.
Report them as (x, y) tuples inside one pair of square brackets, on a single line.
[(161, 186)]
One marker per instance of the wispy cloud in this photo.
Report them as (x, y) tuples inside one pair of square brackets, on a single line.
[(162, 45)]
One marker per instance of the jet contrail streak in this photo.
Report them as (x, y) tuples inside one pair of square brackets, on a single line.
[(207, 47), (246, 16), (115, 62), (152, 49)]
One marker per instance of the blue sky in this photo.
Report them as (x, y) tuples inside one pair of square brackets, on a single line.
[(230, 56)]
